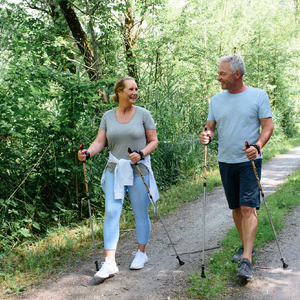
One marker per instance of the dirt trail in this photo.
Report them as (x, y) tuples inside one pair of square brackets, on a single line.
[(164, 278)]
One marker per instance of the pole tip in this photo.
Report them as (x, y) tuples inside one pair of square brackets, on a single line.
[(283, 263), (180, 261), (97, 266), (202, 273)]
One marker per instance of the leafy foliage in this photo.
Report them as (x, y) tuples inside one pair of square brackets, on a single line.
[(49, 103)]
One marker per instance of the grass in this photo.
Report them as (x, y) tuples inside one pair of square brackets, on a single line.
[(27, 265), (30, 264)]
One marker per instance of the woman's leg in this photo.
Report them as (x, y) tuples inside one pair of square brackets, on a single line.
[(113, 210), (139, 199)]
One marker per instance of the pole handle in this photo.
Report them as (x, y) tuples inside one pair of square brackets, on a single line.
[(136, 164), (87, 155)]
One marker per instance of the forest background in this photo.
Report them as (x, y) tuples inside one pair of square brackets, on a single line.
[(60, 59)]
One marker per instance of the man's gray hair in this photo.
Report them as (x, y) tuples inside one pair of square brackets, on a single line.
[(236, 63)]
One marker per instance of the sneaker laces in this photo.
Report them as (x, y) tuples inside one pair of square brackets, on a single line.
[(246, 262), (136, 252), (107, 263)]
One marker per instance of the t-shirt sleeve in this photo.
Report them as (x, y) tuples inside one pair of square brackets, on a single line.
[(264, 107), (148, 120), (103, 125), (210, 116)]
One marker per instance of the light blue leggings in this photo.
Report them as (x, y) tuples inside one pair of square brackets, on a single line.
[(139, 199)]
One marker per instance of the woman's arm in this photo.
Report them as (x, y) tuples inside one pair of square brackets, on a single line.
[(95, 147), (151, 146), (152, 141)]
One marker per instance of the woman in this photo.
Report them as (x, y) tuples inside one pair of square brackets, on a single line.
[(123, 127)]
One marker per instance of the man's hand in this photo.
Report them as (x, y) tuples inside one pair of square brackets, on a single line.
[(205, 137), (251, 152)]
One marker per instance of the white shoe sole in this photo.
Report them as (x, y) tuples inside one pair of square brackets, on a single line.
[(103, 277), (139, 267)]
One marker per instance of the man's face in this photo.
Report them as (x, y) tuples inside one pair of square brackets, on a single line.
[(226, 76)]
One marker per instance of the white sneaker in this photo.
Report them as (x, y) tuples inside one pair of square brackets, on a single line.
[(108, 268), (139, 260)]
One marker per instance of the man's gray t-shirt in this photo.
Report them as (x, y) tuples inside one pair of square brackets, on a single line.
[(238, 120), (132, 134)]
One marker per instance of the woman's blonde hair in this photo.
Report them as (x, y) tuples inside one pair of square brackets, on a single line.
[(119, 86)]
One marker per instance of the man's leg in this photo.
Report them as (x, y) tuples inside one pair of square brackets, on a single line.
[(249, 228), (231, 183), (238, 218)]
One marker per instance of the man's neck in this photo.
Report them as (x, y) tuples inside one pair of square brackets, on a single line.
[(237, 89)]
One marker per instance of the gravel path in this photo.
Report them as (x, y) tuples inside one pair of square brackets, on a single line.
[(164, 278)]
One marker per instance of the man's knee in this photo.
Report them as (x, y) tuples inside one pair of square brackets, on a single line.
[(248, 211)]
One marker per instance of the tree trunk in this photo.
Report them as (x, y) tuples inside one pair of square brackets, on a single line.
[(130, 38), (80, 37)]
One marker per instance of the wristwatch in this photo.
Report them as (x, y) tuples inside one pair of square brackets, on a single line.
[(257, 148), (87, 155), (140, 153)]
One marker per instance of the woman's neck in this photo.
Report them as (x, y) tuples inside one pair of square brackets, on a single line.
[(123, 109)]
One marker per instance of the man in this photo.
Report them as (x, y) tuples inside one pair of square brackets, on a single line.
[(239, 112)]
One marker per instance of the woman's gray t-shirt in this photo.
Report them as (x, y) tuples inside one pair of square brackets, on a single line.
[(132, 134)]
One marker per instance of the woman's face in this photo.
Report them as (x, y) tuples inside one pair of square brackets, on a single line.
[(129, 93)]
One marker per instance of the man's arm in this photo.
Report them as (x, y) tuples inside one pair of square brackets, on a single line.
[(266, 132)]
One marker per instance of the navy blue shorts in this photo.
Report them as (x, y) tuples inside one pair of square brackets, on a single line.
[(240, 184)]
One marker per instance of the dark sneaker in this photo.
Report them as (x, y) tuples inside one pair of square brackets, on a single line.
[(245, 269), (238, 256)]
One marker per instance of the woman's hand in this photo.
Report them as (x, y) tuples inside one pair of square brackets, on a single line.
[(134, 157), (82, 155)]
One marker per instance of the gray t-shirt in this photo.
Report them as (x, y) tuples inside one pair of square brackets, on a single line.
[(132, 134), (238, 120)]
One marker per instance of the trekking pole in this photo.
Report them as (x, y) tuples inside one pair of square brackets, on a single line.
[(265, 202), (204, 209), (155, 207), (90, 212)]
